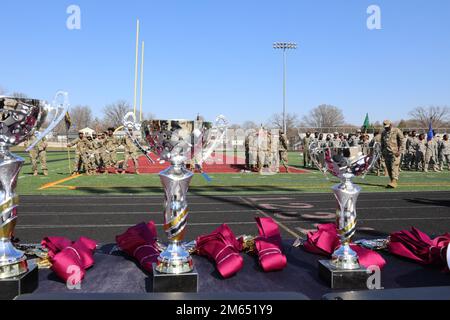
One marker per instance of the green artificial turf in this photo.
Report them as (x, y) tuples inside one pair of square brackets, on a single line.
[(222, 184)]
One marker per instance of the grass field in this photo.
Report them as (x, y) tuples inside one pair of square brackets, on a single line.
[(242, 183)]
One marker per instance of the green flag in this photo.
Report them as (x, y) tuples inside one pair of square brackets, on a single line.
[(366, 124)]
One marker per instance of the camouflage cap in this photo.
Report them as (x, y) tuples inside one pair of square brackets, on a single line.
[(387, 123)]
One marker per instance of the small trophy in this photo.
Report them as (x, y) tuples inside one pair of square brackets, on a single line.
[(20, 120), (344, 270), (179, 142)]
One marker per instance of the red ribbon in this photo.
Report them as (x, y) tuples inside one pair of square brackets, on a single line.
[(70, 260), (139, 242), (269, 245), (418, 246), (222, 247), (325, 241)]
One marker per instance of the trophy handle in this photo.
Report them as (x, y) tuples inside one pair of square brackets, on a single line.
[(129, 122), (315, 150), (221, 125), (60, 108), (375, 155)]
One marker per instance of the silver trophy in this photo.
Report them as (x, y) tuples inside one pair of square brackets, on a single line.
[(345, 163), (177, 141), (21, 118)]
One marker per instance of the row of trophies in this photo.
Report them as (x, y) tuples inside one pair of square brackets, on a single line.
[(175, 141)]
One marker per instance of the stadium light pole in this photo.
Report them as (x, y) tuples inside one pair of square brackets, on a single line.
[(284, 46)]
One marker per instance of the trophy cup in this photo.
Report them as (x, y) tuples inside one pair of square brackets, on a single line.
[(177, 141), (20, 120), (344, 270)]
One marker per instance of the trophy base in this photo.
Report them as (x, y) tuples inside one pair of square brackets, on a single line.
[(22, 284), (165, 282), (341, 278), (175, 259), (14, 268)]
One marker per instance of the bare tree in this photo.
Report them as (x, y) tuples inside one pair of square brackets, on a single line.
[(234, 127), (276, 121), (81, 117), (249, 125), (436, 114), (324, 116), (115, 112), (98, 125)]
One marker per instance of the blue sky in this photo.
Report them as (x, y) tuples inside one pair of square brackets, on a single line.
[(216, 56)]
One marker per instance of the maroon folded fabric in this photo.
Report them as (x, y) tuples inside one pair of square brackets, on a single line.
[(55, 244), (269, 246), (325, 241), (419, 247), (70, 260), (139, 242), (223, 248)]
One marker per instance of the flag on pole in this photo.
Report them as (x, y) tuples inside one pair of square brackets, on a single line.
[(68, 121), (430, 134), (366, 124)]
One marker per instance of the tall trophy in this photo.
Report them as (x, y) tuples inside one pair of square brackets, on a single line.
[(21, 118), (344, 270), (178, 142)]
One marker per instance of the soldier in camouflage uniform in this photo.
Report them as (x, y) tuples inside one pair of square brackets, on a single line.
[(79, 152), (247, 153), (96, 141), (111, 145), (263, 149), (439, 156), (403, 155), (444, 148), (307, 140), (380, 165), (38, 152), (365, 144), (392, 148), (328, 141), (253, 150), (344, 142), (431, 154), (101, 149), (131, 152), (316, 137), (103, 154), (273, 161), (283, 151), (352, 141), (410, 150), (90, 158), (420, 153), (336, 141)]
